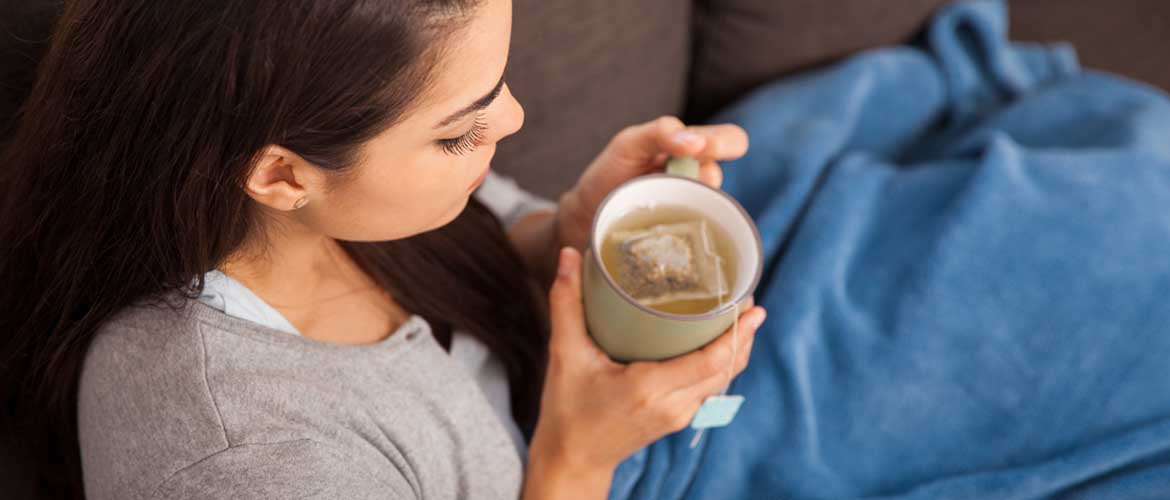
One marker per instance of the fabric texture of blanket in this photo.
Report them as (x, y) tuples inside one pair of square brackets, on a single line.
[(967, 272)]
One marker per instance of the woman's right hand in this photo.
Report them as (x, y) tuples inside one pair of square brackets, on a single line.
[(595, 412)]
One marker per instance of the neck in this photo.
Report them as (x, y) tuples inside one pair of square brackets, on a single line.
[(313, 282), (291, 266)]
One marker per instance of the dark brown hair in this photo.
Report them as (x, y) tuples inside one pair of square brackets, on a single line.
[(123, 182)]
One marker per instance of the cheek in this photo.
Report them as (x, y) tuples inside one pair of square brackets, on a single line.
[(443, 180), (404, 200)]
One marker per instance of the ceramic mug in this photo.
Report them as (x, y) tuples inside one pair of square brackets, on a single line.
[(630, 331)]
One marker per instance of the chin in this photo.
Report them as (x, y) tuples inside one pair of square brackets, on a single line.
[(445, 218), (452, 214)]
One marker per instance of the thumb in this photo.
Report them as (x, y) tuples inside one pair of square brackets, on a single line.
[(566, 311), (569, 343)]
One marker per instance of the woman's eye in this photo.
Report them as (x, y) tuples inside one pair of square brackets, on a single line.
[(466, 143)]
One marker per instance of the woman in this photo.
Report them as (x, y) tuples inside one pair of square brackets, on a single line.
[(242, 261)]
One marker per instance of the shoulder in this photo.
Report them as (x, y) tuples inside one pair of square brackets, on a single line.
[(138, 334), (145, 355), (142, 349), (300, 468), (144, 407)]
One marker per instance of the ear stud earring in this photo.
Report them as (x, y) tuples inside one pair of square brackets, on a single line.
[(300, 203)]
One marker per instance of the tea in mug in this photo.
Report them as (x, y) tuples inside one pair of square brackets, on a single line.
[(670, 258)]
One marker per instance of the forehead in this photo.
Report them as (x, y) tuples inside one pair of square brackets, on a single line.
[(471, 61)]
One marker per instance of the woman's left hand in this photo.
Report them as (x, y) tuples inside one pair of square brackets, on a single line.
[(639, 150)]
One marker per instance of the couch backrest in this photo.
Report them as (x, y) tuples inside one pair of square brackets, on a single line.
[(583, 70)]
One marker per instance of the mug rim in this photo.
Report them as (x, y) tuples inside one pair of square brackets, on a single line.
[(596, 257)]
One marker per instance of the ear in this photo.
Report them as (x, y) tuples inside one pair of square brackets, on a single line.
[(282, 179)]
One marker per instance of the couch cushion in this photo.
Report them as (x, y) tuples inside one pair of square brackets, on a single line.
[(1129, 38), (740, 44), (583, 70)]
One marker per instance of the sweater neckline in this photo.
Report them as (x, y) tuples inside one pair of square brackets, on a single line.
[(413, 330)]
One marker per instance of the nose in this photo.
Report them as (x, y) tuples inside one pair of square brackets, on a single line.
[(511, 116)]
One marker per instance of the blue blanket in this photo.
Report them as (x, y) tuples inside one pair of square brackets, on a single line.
[(967, 278)]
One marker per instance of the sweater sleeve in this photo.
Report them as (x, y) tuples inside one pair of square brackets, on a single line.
[(508, 200), (292, 469)]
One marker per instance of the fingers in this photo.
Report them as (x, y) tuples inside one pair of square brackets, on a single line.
[(565, 298), (720, 142), (659, 160), (715, 359), (710, 174), (717, 383), (569, 339), (708, 143), (676, 388), (643, 142)]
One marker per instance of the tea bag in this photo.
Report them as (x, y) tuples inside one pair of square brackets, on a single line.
[(669, 262)]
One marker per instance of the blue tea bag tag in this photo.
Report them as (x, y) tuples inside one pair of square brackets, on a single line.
[(716, 411)]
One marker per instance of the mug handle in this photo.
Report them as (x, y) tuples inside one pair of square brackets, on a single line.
[(683, 166)]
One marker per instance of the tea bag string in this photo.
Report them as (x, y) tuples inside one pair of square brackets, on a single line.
[(734, 351), (721, 289)]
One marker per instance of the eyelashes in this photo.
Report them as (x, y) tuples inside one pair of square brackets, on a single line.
[(466, 143)]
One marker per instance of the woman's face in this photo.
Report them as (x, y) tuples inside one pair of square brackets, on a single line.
[(418, 175)]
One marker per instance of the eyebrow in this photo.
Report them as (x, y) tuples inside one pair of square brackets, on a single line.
[(479, 104)]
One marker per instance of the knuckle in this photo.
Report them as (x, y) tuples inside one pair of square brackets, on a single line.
[(741, 365), (555, 375), (560, 295), (557, 353), (716, 145), (667, 122), (681, 420), (626, 134), (643, 396), (747, 353), (649, 403), (644, 407), (713, 363), (746, 341), (556, 290), (666, 415)]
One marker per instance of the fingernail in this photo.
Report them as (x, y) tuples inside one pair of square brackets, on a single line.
[(687, 138), (564, 266)]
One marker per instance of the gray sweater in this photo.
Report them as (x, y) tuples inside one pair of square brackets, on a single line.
[(196, 404)]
